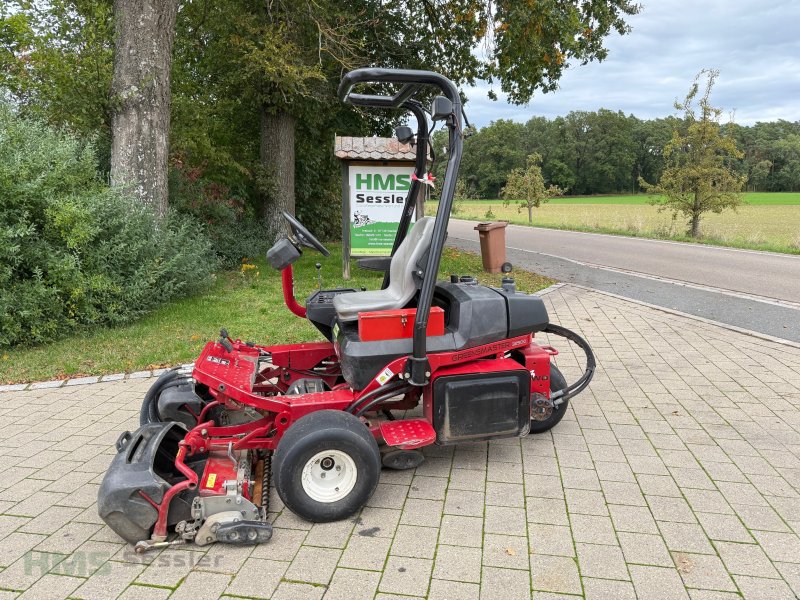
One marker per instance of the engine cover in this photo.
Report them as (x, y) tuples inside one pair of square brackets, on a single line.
[(493, 402)]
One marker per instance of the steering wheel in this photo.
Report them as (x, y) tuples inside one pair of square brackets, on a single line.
[(303, 235)]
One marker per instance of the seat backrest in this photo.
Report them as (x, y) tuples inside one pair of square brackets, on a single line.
[(404, 261)]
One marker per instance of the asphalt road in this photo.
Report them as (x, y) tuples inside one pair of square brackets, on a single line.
[(747, 289)]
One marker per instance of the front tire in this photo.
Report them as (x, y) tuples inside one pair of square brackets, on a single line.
[(326, 466), (557, 382)]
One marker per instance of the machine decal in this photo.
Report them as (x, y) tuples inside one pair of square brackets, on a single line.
[(212, 479), (384, 376), (220, 361)]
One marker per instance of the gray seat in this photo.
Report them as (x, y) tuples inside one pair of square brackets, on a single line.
[(402, 286)]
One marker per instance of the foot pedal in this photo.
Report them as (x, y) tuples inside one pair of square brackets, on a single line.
[(408, 434), (244, 533), (400, 460)]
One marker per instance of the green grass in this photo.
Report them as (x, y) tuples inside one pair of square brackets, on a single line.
[(250, 308), (751, 198), (768, 222)]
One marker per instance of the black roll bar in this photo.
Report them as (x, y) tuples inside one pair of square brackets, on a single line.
[(417, 370), (420, 167)]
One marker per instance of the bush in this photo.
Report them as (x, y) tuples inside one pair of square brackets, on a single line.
[(73, 251), (229, 220)]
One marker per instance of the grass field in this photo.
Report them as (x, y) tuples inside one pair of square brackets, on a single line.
[(754, 198), (766, 221), (250, 308)]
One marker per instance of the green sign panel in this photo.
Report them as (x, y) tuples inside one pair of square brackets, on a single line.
[(377, 195)]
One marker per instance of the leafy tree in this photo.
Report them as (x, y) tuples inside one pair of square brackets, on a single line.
[(527, 186), (55, 64), (491, 155), (698, 177)]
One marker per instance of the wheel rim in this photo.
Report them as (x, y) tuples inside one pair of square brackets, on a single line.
[(329, 476)]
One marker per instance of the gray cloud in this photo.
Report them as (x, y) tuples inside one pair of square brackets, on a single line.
[(754, 44)]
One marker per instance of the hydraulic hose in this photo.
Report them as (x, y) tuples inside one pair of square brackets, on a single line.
[(379, 399), (379, 392), (591, 364)]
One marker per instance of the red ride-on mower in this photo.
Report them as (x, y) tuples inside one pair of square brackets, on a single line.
[(316, 420)]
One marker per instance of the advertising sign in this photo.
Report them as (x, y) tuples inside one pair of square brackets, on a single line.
[(376, 197)]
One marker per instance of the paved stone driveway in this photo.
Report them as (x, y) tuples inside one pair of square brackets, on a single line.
[(676, 476)]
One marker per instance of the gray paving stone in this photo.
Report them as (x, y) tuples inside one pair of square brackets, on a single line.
[(258, 578), (292, 590), (555, 574), (703, 571), (644, 549), (592, 529), (364, 552), (461, 531), (601, 561), (423, 512), (52, 587), (657, 583), (448, 590), (314, 565), (637, 519), (551, 539), (351, 584), (780, 547), (746, 559), (430, 488), (604, 589), (458, 563), (404, 575), (202, 585), (505, 520), (757, 588), (726, 528), (417, 542), (510, 584), (505, 551)]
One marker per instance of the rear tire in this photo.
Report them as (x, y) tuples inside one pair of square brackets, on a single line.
[(326, 466), (557, 382)]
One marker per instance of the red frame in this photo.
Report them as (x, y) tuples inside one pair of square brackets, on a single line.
[(233, 379)]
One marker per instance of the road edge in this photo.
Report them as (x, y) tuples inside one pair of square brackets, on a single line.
[(756, 334)]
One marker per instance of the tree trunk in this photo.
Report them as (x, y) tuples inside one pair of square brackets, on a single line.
[(277, 160), (140, 94), (695, 230), (530, 214)]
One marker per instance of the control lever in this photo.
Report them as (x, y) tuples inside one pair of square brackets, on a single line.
[(318, 266), (225, 340)]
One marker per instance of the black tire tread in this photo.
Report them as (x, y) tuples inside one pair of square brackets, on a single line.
[(310, 434), (557, 382)]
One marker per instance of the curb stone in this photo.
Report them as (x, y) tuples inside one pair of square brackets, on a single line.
[(90, 380)]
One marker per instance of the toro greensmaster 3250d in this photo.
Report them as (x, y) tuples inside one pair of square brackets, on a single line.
[(317, 420)]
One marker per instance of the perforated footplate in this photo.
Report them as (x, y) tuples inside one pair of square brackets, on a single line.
[(408, 434)]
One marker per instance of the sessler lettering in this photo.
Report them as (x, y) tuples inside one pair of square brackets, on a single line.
[(369, 199)]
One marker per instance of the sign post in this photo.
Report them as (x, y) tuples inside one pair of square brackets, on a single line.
[(376, 178)]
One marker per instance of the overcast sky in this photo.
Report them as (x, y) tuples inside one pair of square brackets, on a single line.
[(755, 44)]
